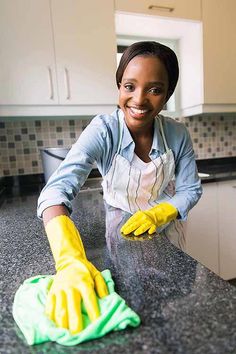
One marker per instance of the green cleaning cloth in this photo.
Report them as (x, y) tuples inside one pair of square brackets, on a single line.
[(29, 305)]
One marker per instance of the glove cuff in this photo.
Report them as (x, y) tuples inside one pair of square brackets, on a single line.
[(64, 240), (163, 213)]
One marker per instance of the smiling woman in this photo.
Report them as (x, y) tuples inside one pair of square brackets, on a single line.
[(172, 105), (143, 91), (148, 168)]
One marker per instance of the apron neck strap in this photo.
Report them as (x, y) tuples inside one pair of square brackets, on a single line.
[(120, 131), (162, 133)]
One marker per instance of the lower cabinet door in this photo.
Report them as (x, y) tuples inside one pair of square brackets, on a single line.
[(227, 229), (202, 229)]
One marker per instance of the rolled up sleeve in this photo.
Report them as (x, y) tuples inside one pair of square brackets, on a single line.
[(188, 189), (64, 184)]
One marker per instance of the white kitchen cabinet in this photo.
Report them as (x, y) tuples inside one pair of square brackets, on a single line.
[(219, 52), (85, 46), (202, 229), (27, 62), (188, 9), (227, 229), (216, 86), (57, 52), (211, 229)]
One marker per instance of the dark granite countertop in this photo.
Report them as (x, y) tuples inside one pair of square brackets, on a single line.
[(183, 306)]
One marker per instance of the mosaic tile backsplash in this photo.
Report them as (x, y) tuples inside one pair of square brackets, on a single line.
[(213, 135)]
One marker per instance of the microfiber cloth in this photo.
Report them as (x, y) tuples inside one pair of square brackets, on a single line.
[(29, 307)]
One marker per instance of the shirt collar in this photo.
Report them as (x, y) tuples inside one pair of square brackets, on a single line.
[(126, 136), (157, 144)]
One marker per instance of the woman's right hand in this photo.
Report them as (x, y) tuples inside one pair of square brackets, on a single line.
[(76, 279)]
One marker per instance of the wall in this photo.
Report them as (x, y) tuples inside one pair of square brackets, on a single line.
[(21, 140), (213, 136)]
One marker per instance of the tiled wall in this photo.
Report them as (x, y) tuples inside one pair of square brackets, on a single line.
[(20, 142), (213, 136)]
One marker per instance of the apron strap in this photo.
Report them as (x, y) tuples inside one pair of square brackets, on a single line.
[(120, 131), (163, 134)]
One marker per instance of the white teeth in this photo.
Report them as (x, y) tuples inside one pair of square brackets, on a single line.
[(138, 111)]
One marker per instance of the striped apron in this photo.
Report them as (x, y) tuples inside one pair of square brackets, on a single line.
[(126, 186)]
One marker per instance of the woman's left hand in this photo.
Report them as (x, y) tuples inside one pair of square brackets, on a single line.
[(149, 220)]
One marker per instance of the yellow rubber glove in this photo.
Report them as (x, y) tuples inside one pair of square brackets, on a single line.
[(149, 220), (76, 278)]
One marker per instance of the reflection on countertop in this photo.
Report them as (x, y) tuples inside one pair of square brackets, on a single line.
[(183, 306)]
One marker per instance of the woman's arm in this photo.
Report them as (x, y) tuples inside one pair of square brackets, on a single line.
[(96, 143), (53, 211), (188, 188)]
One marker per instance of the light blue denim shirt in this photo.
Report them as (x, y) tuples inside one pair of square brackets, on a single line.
[(99, 142)]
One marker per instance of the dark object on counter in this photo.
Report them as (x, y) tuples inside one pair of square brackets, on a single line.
[(20, 185), (217, 169), (217, 165)]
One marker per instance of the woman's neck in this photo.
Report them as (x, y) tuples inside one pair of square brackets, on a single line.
[(143, 139), (140, 133)]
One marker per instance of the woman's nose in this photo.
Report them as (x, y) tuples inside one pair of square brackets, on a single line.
[(139, 97)]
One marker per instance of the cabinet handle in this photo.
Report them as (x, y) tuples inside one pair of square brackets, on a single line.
[(67, 77), (51, 96), (162, 8)]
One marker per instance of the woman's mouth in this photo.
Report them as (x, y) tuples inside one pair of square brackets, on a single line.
[(137, 112)]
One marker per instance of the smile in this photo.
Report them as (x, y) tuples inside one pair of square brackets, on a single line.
[(138, 111)]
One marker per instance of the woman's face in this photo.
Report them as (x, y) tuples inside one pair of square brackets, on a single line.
[(143, 90)]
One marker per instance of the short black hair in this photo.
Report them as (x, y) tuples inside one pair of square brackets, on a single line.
[(151, 48)]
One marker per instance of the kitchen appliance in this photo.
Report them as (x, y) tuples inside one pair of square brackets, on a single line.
[(51, 159)]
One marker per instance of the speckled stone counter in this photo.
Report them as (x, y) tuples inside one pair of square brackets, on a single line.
[(184, 308)]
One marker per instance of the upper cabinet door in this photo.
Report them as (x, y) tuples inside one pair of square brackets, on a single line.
[(85, 46), (27, 61), (188, 9), (219, 50)]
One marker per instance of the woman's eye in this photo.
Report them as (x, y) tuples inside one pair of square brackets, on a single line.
[(128, 87), (156, 90)]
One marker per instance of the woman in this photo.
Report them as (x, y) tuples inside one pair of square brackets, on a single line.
[(148, 168)]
